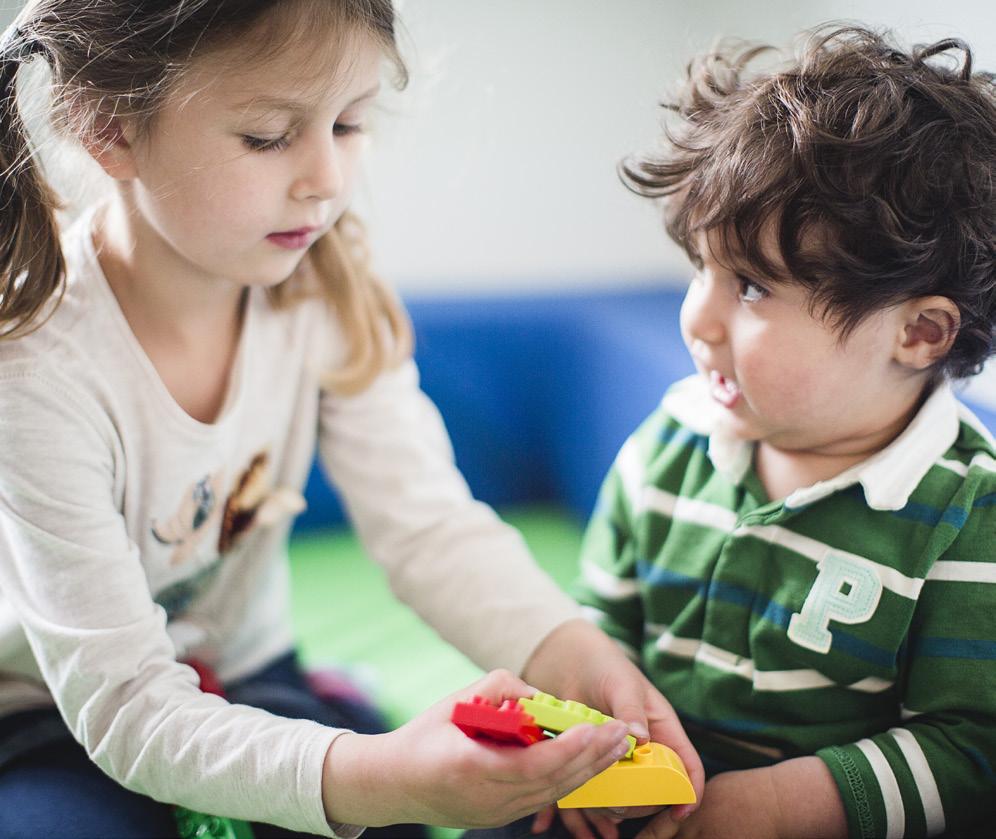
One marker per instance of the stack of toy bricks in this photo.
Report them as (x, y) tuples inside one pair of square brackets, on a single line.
[(651, 774)]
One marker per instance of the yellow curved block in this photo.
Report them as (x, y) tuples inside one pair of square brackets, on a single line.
[(557, 715), (654, 776)]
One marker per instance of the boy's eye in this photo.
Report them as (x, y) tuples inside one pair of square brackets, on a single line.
[(266, 143), (750, 292)]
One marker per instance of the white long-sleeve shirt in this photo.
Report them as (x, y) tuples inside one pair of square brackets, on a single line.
[(132, 534)]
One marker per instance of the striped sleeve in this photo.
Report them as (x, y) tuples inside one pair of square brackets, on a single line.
[(932, 773), (608, 588)]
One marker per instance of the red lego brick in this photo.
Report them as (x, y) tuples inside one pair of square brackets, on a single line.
[(507, 722)]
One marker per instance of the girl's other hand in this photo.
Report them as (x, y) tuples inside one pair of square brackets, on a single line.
[(428, 771)]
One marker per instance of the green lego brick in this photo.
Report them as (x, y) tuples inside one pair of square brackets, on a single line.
[(193, 825), (557, 715)]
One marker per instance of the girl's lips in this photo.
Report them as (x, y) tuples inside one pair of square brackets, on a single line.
[(723, 390), (292, 239)]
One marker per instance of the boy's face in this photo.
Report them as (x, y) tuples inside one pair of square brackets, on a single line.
[(782, 376)]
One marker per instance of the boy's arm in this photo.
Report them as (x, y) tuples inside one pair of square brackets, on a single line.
[(794, 798)]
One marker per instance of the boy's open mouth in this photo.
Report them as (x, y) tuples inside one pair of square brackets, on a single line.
[(724, 391)]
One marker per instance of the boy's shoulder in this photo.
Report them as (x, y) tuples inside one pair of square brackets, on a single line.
[(968, 466), (675, 443)]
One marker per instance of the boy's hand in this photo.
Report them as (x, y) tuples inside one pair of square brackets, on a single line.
[(794, 798), (579, 661), (430, 772)]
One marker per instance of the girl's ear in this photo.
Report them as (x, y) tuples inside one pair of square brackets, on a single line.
[(928, 328), (109, 142)]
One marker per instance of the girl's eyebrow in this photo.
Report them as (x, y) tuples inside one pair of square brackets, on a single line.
[(293, 106)]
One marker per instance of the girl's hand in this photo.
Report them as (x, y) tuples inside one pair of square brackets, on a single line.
[(579, 661), (430, 772)]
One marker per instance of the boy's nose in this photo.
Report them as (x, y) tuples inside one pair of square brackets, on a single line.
[(702, 314), (322, 174)]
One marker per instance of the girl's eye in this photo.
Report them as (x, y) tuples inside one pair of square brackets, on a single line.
[(750, 292), (266, 143), (343, 129)]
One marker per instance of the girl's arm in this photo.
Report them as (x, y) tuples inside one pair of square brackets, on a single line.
[(73, 580), (448, 556)]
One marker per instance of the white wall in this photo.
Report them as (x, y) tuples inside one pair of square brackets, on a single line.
[(498, 169)]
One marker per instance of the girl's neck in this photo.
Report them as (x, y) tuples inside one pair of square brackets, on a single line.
[(156, 288), (188, 325)]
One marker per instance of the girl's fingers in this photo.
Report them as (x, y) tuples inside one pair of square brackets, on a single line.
[(544, 819), (606, 826), (576, 824), (662, 827), (554, 767), (586, 753)]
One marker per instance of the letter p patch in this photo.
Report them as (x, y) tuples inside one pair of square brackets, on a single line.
[(844, 591)]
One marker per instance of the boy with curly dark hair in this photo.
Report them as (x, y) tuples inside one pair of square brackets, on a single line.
[(799, 545)]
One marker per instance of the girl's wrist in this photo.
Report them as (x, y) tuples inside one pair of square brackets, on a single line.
[(354, 780)]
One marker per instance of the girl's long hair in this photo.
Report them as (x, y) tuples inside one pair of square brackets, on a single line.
[(122, 58)]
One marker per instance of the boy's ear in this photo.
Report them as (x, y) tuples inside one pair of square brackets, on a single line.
[(109, 142), (928, 328)]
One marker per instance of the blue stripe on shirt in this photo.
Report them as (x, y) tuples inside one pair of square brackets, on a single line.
[(966, 648), (933, 516)]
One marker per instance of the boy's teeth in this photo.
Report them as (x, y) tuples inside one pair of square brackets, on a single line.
[(719, 380), (723, 389)]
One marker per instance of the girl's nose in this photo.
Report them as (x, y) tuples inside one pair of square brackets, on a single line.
[(702, 314), (321, 176)]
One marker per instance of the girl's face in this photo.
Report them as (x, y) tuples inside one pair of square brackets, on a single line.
[(245, 166)]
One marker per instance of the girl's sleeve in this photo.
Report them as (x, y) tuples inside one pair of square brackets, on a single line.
[(935, 772), (73, 579), (448, 556)]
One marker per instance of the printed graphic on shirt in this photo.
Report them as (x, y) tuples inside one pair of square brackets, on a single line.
[(254, 502), (845, 591), (176, 598), (198, 510)]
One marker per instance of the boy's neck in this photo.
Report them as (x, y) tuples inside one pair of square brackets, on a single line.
[(783, 471)]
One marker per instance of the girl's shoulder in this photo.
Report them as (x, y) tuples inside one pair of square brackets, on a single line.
[(66, 337)]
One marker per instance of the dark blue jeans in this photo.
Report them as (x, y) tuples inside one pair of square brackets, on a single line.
[(50, 788)]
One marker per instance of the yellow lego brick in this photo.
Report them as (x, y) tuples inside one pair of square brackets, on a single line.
[(654, 776), (557, 715)]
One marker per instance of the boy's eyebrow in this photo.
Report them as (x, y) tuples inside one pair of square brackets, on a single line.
[(293, 106)]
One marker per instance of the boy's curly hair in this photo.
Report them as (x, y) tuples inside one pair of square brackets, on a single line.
[(875, 169)]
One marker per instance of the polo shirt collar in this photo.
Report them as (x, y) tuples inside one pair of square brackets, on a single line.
[(888, 477)]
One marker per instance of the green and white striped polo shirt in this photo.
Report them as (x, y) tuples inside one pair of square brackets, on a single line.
[(855, 619)]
